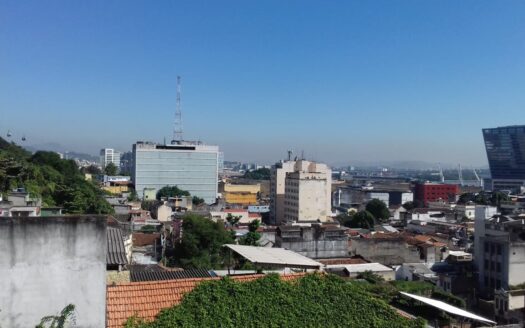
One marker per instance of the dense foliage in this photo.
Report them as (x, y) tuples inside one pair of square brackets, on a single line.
[(111, 169), (483, 198), (171, 191), (252, 237), (259, 174), (312, 301), (57, 181), (389, 292), (378, 209), (361, 219), (201, 243)]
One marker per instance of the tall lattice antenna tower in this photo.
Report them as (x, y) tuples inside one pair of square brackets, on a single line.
[(177, 131)]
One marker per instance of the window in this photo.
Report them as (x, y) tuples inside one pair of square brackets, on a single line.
[(498, 249), (498, 267), (486, 266)]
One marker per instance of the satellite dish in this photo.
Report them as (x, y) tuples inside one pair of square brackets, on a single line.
[(8, 134), (24, 138)]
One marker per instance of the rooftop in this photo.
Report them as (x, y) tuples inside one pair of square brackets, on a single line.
[(147, 299), (116, 252)]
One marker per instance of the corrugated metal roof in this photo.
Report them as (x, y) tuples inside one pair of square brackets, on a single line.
[(116, 252), (448, 308), (169, 275), (357, 268), (274, 256)]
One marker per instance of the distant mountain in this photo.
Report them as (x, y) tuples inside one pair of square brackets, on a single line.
[(51, 146)]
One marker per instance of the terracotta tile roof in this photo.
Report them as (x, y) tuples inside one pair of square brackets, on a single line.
[(147, 299)]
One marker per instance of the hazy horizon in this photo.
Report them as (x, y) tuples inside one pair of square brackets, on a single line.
[(344, 82)]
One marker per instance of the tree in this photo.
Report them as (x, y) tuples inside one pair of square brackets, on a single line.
[(111, 169), (409, 206), (133, 197), (171, 191), (92, 169), (252, 237), (58, 321), (201, 243), (259, 174), (378, 209), (197, 200), (497, 198), (232, 220), (58, 182), (362, 219)]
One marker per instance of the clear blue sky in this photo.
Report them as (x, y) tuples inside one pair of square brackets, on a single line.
[(344, 81)]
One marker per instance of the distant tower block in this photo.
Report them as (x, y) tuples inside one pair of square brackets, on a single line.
[(177, 132)]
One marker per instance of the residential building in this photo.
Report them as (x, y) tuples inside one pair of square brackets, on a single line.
[(499, 252), (456, 275), (505, 148), (429, 192), (241, 194), (300, 191), (314, 241), (354, 270), (243, 215), (191, 166), (109, 155)]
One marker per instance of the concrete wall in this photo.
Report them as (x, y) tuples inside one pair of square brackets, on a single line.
[(385, 251), (48, 263), (516, 263)]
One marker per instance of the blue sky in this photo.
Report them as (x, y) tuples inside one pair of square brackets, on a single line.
[(345, 81)]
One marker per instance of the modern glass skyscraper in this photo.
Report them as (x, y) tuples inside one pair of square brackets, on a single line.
[(191, 166), (506, 155)]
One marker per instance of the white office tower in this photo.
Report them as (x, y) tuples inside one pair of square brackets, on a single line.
[(191, 166), (300, 191), (109, 155)]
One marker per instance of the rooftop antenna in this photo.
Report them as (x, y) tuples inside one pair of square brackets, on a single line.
[(177, 132), (302, 155), (290, 155)]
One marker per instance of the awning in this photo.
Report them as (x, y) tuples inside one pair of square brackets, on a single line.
[(448, 308), (274, 257)]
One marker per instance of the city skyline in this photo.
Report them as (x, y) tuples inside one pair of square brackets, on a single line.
[(346, 82)]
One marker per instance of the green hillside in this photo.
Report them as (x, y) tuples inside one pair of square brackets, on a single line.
[(57, 181)]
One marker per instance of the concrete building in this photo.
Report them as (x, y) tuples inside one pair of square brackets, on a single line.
[(300, 191), (354, 270), (315, 241), (191, 166), (429, 192), (46, 264), (499, 252), (109, 155), (388, 249), (242, 194), (505, 148)]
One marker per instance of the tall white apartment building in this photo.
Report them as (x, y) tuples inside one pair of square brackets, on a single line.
[(191, 166), (300, 191), (109, 155)]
